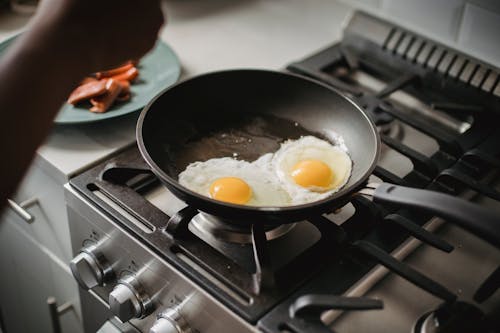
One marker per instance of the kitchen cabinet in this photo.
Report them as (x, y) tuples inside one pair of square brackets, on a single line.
[(31, 273), (36, 254), (46, 206), (35, 257)]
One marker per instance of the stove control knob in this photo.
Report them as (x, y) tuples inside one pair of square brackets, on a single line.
[(170, 321), (90, 268), (128, 300)]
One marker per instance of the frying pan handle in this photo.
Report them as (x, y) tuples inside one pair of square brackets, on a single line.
[(472, 217)]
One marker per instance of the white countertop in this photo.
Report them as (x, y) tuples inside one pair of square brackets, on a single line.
[(207, 36)]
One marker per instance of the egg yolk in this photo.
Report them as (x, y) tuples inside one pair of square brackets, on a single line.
[(312, 173), (231, 189)]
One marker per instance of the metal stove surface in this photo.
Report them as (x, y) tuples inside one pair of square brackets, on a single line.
[(438, 131), (390, 72), (462, 270)]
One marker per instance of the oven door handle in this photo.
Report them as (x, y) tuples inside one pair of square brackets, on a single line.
[(57, 311)]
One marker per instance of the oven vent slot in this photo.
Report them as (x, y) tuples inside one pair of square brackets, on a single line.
[(424, 53), (144, 226)]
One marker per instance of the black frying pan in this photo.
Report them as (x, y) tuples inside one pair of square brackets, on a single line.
[(250, 112)]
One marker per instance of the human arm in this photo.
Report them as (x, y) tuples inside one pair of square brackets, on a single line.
[(66, 40)]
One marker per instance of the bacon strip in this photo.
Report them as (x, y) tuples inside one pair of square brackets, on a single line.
[(86, 91), (123, 98), (88, 79), (114, 71), (125, 85), (103, 88), (103, 102), (129, 75)]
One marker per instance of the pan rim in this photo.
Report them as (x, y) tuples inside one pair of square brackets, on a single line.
[(343, 192)]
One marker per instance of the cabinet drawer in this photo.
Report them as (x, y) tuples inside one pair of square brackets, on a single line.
[(46, 206)]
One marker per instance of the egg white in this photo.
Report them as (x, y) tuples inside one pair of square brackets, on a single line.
[(310, 148), (266, 189)]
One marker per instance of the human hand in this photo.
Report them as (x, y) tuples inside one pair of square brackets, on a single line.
[(99, 34)]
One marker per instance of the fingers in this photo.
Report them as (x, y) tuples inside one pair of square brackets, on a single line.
[(103, 33)]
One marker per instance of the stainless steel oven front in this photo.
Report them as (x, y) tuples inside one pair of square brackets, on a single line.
[(119, 275)]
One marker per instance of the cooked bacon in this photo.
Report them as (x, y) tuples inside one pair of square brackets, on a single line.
[(88, 79), (87, 90), (125, 85), (114, 71), (102, 103), (129, 75), (123, 98), (103, 88)]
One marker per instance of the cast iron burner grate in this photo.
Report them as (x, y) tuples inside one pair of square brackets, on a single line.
[(462, 120), (249, 292), (252, 293)]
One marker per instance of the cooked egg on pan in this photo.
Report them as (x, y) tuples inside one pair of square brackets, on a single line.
[(311, 169), (301, 171), (234, 181)]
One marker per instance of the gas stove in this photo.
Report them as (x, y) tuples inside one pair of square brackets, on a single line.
[(146, 258)]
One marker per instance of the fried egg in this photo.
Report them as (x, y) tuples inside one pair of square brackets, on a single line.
[(239, 182), (311, 169)]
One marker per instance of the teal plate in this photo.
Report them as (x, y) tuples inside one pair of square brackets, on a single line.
[(158, 69)]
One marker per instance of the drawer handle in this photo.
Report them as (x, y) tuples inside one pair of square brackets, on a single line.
[(20, 209), (56, 312)]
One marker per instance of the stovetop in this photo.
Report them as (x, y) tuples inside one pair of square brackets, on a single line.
[(437, 111)]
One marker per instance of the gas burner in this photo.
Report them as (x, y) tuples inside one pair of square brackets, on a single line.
[(393, 129), (205, 225), (457, 317)]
